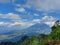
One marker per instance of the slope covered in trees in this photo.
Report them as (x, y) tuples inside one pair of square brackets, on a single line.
[(54, 37), (33, 40)]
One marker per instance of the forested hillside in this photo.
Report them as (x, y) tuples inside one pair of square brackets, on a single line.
[(54, 37), (33, 40)]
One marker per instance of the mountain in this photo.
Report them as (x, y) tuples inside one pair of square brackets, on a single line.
[(33, 30), (39, 28)]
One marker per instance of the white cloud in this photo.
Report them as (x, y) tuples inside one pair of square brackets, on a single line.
[(44, 5), (36, 20), (49, 20), (20, 24), (50, 23), (21, 9), (12, 16), (3, 23), (36, 14), (17, 21)]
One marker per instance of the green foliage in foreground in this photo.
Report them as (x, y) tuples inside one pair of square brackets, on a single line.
[(33, 40), (53, 38)]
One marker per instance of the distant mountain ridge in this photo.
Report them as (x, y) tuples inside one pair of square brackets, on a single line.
[(32, 30), (39, 28)]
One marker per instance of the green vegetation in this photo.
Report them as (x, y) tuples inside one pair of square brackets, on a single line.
[(54, 37), (33, 40)]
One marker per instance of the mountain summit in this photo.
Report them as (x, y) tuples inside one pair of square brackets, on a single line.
[(39, 28)]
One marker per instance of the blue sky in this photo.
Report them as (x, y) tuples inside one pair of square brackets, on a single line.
[(24, 13), (20, 14)]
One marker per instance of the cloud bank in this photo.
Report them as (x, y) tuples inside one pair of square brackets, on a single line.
[(16, 22), (44, 5), (49, 20)]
